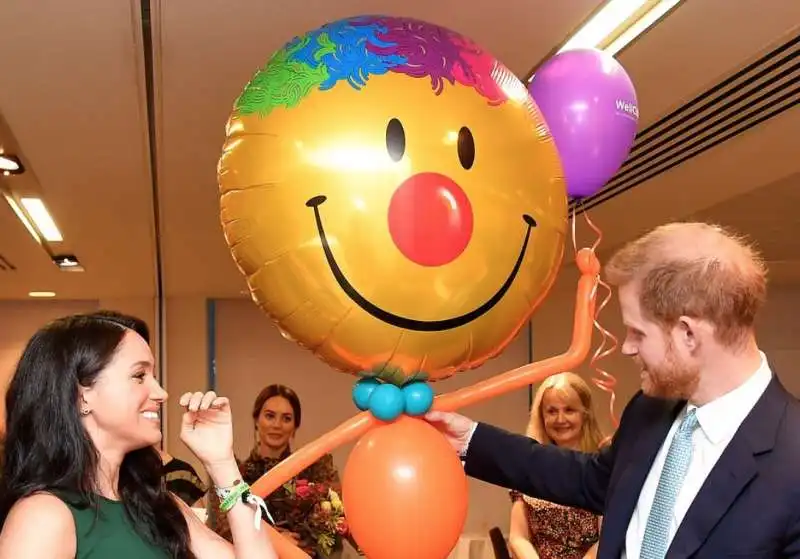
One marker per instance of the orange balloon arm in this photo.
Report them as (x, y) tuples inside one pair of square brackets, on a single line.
[(532, 373), (313, 451), (284, 547), (299, 461)]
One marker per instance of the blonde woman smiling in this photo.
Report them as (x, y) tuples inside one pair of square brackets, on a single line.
[(562, 415)]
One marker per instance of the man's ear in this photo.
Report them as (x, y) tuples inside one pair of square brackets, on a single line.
[(691, 332)]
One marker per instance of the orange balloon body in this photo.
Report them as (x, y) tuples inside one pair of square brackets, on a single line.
[(405, 492)]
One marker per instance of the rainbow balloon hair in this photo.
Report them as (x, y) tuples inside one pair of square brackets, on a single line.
[(353, 49)]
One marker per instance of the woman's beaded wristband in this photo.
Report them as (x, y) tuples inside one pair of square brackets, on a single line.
[(240, 493), (229, 496)]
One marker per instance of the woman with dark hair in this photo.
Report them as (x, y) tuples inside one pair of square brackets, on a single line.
[(81, 476), (181, 478), (277, 415)]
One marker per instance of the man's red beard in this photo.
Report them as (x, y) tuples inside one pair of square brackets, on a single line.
[(670, 379)]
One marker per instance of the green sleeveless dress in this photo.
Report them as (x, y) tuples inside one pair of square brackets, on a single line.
[(109, 533)]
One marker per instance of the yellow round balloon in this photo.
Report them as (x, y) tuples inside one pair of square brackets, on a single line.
[(393, 197)]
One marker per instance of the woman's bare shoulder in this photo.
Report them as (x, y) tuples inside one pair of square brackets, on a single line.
[(28, 519)]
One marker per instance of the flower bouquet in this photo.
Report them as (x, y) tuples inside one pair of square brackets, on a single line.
[(316, 512)]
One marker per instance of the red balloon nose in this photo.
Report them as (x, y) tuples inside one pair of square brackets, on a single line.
[(430, 219)]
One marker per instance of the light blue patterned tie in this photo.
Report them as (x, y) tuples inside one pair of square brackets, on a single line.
[(656, 533)]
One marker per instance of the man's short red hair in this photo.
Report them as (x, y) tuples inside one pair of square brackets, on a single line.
[(696, 270)]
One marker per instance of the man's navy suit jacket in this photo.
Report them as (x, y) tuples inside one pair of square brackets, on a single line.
[(748, 507)]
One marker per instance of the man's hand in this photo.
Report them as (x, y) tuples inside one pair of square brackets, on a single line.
[(456, 428)]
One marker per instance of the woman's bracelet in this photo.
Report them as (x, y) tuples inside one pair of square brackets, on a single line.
[(239, 492)]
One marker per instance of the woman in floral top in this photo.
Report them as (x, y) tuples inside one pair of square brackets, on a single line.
[(277, 415), (562, 415)]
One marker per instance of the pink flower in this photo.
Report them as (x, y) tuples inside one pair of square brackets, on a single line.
[(342, 527), (303, 491)]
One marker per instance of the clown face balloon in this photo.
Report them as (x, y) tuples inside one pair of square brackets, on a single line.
[(393, 197)]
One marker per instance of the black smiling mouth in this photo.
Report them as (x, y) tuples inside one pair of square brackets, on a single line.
[(402, 321)]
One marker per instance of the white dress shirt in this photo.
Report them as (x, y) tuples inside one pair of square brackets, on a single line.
[(718, 420)]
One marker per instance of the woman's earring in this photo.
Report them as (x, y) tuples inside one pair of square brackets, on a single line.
[(84, 406)]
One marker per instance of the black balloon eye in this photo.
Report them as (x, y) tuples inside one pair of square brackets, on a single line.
[(466, 148), (395, 139)]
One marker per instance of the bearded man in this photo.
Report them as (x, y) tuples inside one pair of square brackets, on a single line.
[(706, 460)]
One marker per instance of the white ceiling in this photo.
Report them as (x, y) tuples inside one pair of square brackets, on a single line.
[(73, 97)]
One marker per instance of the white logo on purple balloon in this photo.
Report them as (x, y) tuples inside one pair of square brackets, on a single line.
[(628, 109)]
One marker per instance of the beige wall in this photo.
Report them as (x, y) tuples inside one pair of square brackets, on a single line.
[(251, 353), (184, 363)]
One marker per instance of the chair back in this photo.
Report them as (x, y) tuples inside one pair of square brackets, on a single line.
[(499, 545)]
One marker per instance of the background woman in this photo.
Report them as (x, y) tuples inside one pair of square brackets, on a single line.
[(561, 414), (83, 415), (277, 416)]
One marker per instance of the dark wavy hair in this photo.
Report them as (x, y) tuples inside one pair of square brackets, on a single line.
[(284, 392), (131, 322), (47, 447)]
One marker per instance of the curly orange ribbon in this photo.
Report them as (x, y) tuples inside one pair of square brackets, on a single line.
[(604, 380)]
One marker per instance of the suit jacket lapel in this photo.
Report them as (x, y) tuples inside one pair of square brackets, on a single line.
[(622, 501), (735, 469)]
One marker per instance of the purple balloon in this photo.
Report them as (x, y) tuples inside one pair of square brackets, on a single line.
[(589, 103)]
